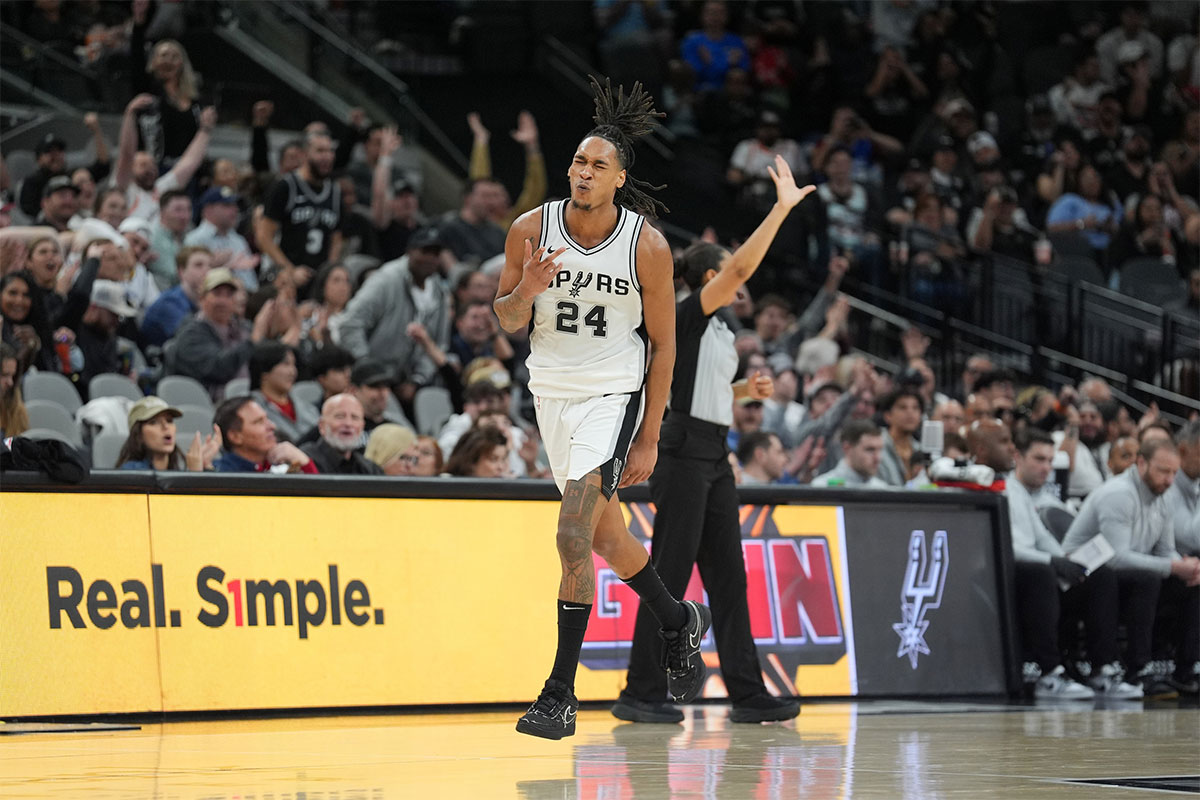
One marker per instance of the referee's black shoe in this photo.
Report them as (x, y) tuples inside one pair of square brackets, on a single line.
[(681, 653), (552, 715), (765, 708), (631, 709)]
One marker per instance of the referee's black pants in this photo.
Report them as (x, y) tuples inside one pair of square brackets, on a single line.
[(697, 523)]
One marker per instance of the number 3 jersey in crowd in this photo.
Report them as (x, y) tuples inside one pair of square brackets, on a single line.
[(589, 337), (307, 217)]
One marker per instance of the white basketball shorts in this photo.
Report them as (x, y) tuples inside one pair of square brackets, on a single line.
[(582, 434)]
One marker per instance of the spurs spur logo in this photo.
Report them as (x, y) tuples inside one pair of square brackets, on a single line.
[(581, 282), (922, 591)]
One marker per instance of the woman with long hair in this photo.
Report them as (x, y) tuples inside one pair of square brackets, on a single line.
[(14, 419), (168, 126), (24, 326), (1144, 235), (332, 290), (272, 375), (481, 453), (152, 440)]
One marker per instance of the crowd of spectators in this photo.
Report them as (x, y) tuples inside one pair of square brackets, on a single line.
[(320, 265)]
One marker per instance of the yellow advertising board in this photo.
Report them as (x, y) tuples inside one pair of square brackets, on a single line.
[(78, 609), (175, 602)]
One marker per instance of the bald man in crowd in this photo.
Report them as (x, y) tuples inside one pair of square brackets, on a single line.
[(341, 429)]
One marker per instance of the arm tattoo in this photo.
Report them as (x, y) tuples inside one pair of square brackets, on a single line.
[(513, 311), (580, 512)]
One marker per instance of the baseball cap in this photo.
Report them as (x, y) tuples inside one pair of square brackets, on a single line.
[(401, 186), (1129, 51), (370, 372), (150, 407), (749, 401), (981, 140), (111, 295), (944, 142), (219, 194), (135, 225), (93, 228), (49, 142), (426, 238), (221, 276), (58, 183)]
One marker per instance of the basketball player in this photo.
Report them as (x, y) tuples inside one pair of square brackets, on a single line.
[(304, 209), (597, 282)]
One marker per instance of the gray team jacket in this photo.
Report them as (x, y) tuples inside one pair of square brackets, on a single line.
[(374, 322), (1132, 519)]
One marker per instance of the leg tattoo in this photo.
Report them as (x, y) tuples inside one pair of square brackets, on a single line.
[(582, 504)]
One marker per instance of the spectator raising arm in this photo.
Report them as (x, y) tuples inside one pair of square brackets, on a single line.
[(381, 178), (197, 149), (102, 165), (533, 190), (128, 140), (260, 123), (355, 132)]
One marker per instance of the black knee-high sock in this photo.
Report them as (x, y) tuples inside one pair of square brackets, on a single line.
[(572, 625), (666, 609)]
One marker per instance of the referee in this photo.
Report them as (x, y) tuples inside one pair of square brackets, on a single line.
[(693, 486)]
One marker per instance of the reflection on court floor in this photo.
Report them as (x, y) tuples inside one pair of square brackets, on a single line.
[(908, 751)]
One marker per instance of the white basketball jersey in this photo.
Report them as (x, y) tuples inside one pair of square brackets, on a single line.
[(589, 337)]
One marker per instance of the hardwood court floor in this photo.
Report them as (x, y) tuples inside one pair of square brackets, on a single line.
[(907, 751)]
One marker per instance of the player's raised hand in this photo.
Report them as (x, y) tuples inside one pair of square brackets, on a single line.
[(538, 269), (786, 190)]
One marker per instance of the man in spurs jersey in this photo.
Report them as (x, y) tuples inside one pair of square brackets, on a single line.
[(597, 282), (299, 227)]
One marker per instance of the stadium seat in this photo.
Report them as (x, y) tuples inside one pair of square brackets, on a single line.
[(180, 390), (309, 392), (1152, 280), (52, 387), (48, 415), (195, 419), (1071, 244), (105, 450), (1078, 268), (237, 387), (111, 384), (431, 407), (1057, 520)]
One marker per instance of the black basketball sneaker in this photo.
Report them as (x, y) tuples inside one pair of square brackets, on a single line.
[(681, 653), (552, 715)]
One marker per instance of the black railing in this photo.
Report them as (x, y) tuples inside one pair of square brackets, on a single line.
[(1050, 328)]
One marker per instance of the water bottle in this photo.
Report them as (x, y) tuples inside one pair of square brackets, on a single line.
[(1062, 474)]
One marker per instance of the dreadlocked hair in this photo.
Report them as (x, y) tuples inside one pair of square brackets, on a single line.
[(620, 119)]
